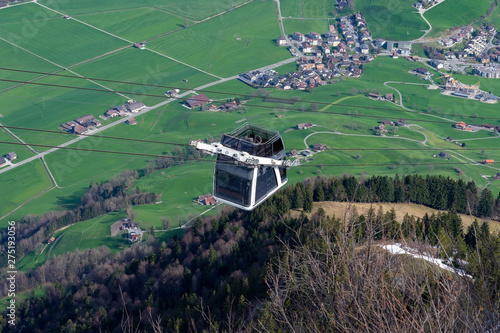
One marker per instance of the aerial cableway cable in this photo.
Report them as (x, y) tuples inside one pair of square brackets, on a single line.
[(274, 99), (229, 162)]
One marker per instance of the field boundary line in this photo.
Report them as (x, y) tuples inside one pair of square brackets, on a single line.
[(89, 25), (183, 63), (27, 201), (62, 67)]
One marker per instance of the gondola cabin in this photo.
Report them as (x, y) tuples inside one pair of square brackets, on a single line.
[(250, 166)]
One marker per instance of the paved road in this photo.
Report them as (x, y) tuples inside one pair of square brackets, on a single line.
[(295, 51)]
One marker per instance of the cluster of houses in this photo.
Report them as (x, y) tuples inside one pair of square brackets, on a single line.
[(122, 110), (377, 96), (382, 127), (134, 231), (206, 200), (459, 37), (81, 125), (463, 126), (9, 157), (450, 139), (490, 71)]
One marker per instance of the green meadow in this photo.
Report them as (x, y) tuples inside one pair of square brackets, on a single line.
[(21, 184), (308, 8), (83, 235), (75, 42), (305, 26), (229, 44), (453, 13), (143, 67), (394, 20), (135, 24), (191, 9)]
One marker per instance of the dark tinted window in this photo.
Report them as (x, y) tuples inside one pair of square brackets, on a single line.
[(266, 182), (232, 187)]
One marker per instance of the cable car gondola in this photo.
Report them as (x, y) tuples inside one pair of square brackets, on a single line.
[(250, 165)]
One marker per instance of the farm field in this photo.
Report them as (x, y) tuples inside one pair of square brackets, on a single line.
[(308, 8), (305, 26), (75, 43), (230, 44), (191, 9), (455, 13), (135, 24), (83, 235), (395, 20), (22, 184), (143, 67), (494, 18)]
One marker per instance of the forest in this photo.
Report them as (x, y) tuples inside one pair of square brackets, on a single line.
[(266, 271)]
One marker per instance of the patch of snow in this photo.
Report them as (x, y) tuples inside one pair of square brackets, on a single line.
[(398, 249)]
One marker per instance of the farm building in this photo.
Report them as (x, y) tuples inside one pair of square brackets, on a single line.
[(11, 156), (134, 107), (319, 147), (132, 121), (51, 240), (304, 126), (88, 120), (197, 101), (488, 161), (422, 70)]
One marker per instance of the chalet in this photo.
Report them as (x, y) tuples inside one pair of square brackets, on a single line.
[(387, 122), (314, 35), (281, 41), (460, 125), (280, 115), (442, 154), (298, 36), (68, 126), (111, 113), (389, 97), (422, 70), (488, 161), (307, 48), (364, 49), (401, 122), (51, 240), (449, 139), (79, 129), (381, 128), (11, 156), (319, 147), (88, 121), (373, 95), (293, 153), (197, 101), (418, 5), (173, 93), (132, 121), (139, 46), (304, 126), (437, 63), (134, 106), (3, 161), (206, 199)]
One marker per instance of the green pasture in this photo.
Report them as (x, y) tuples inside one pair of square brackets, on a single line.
[(21, 151), (39, 291), (494, 18), (75, 41), (229, 44), (135, 24), (191, 9), (394, 20), (143, 67), (46, 107), (21, 184), (82, 235), (305, 26), (178, 186), (308, 8), (453, 13)]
